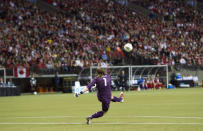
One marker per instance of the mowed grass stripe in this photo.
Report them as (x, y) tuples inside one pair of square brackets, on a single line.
[(109, 123), (54, 117)]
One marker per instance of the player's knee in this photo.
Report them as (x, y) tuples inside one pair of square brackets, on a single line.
[(105, 110)]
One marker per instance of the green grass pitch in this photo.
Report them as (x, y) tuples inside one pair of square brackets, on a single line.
[(153, 110)]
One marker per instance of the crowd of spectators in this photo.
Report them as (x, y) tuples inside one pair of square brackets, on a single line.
[(178, 10), (93, 32)]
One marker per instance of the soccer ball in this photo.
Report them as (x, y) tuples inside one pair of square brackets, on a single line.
[(128, 47)]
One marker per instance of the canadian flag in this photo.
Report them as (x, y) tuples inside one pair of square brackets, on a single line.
[(20, 72)]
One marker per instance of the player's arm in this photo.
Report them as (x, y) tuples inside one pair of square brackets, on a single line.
[(84, 90), (91, 84)]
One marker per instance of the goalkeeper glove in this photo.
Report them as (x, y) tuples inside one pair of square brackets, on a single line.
[(77, 94)]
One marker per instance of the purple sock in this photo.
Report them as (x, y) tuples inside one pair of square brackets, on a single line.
[(97, 114), (116, 99)]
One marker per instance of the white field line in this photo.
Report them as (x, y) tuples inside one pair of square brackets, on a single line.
[(53, 117), (119, 123)]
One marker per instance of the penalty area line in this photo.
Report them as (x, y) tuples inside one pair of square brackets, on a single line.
[(119, 123)]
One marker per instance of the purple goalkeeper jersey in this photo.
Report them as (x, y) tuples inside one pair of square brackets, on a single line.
[(103, 85)]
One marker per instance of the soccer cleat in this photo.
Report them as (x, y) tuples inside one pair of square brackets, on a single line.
[(88, 120), (122, 97)]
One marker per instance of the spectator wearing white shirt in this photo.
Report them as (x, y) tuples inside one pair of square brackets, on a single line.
[(1, 81), (182, 61), (33, 83)]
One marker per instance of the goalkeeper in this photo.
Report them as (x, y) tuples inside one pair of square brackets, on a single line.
[(102, 82)]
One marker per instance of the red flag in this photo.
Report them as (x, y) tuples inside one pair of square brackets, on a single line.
[(21, 72)]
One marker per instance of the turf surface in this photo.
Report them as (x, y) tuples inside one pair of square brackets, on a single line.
[(159, 110)]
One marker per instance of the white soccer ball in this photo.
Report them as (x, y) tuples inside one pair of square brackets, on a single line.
[(128, 47)]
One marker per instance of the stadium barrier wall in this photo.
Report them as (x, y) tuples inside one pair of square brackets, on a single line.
[(45, 79)]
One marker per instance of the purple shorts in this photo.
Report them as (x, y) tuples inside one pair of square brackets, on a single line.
[(105, 105)]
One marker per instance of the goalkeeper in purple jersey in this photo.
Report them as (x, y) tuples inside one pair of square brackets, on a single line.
[(103, 84)]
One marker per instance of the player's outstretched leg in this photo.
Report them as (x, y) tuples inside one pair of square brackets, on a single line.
[(95, 115), (120, 99)]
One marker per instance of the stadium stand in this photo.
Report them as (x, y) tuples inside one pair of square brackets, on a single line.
[(91, 32)]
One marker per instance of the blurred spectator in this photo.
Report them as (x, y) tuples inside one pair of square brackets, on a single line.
[(33, 84), (1, 81), (142, 83), (123, 81), (157, 83), (56, 82), (10, 82), (150, 82)]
